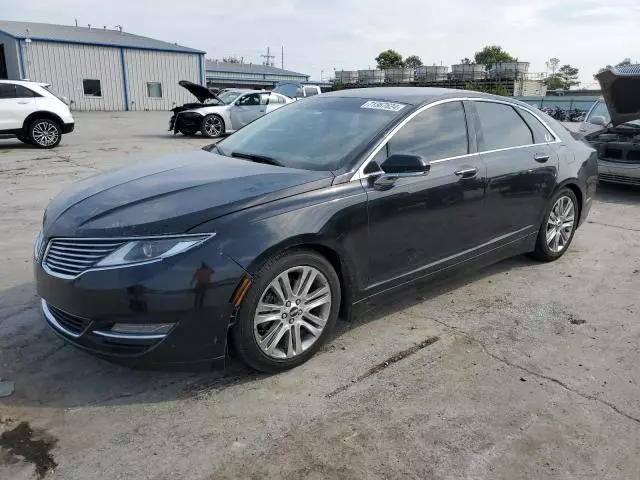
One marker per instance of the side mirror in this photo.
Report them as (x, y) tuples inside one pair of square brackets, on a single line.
[(598, 120), (404, 165), (397, 166)]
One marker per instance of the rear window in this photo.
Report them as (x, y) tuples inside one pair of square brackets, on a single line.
[(309, 91), (540, 132), (501, 127)]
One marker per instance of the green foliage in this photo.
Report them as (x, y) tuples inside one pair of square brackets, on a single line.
[(465, 61), (565, 78), (230, 60), (492, 54), (389, 59), (413, 61), (495, 89)]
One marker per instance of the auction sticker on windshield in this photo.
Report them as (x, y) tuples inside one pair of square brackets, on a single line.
[(389, 106)]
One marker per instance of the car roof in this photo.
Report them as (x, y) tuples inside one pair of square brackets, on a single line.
[(410, 95), (25, 82)]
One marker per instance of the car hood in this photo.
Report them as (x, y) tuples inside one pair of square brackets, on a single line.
[(198, 91), (171, 195), (621, 92)]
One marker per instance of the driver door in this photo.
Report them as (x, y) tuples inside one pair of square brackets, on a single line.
[(247, 108)]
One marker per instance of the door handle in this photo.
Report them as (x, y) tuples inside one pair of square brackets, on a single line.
[(262, 110), (541, 157), (466, 172), (23, 102)]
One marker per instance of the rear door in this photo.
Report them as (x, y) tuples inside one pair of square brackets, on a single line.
[(422, 223), (16, 103), (522, 169)]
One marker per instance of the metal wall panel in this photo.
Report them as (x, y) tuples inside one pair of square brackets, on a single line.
[(12, 56), (168, 69), (65, 65)]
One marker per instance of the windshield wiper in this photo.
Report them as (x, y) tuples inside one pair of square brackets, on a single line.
[(257, 158)]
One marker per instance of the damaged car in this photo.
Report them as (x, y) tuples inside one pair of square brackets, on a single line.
[(612, 125), (219, 114)]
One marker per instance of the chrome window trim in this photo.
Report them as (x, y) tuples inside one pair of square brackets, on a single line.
[(359, 174), (44, 266)]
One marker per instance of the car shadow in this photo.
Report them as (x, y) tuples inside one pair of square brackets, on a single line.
[(14, 144), (48, 372), (618, 194)]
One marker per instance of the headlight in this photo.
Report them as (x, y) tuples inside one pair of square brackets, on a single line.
[(151, 249), (37, 247)]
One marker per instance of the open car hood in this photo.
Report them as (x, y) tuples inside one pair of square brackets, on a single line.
[(621, 92), (198, 91)]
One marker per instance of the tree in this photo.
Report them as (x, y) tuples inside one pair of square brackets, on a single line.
[(626, 61), (552, 64), (492, 54), (231, 60), (568, 76), (412, 61), (389, 59), (465, 61)]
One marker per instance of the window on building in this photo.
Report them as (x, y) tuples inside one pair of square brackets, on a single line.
[(91, 88), (502, 127), (438, 132), (154, 89)]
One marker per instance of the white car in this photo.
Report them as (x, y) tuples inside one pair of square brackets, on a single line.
[(224, 113), (34, 114)]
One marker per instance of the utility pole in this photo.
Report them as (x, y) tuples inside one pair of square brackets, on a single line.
[(282, 58), (268, 58)]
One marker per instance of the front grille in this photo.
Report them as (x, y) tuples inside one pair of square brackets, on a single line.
[(71, 323), (607, 177), (71, 257)]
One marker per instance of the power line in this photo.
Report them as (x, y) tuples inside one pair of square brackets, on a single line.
[(268, 58)]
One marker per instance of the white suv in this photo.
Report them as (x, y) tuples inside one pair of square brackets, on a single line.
[(31, 112)]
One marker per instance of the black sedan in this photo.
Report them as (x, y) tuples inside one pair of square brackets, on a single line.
[(261, 241)]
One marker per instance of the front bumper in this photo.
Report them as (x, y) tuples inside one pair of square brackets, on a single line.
[(84, 310), (624, 173), (187, 121), (68, 127)]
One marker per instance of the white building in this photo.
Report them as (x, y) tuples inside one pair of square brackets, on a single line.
[(98, 68)]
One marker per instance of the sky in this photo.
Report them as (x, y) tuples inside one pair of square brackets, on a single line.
[(320, 36)]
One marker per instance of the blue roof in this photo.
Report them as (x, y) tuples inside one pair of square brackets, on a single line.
[(212, 66), (89, 36)]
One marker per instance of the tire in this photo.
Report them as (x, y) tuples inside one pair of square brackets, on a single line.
[(281, 348), (565, 203), (45, 133), (212, 126), (24, 139), (188, 132)]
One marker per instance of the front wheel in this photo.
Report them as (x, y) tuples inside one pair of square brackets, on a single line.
[(44, 133), (288, 313), (212, 126), (558, 226)]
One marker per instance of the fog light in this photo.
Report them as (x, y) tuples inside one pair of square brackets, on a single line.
[(142, 328)]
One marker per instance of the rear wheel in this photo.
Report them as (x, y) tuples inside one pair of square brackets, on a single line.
[(288, 312), (212, 126), (45, 133), (559, 225)]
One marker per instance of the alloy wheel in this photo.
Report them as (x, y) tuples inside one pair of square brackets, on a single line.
[(213, 126), (45, 133), (560, 224), (292, 312)]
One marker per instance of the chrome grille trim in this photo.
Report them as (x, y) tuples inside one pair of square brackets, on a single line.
[(69, 258), (75, 327)]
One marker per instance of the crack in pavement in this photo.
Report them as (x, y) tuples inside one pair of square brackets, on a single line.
[(388, 362), (586, 396), (629, 229)]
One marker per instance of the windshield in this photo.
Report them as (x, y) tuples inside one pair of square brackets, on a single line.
[(317, 134), (600, 109), (228, 97)]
